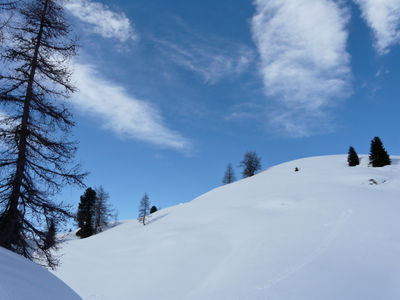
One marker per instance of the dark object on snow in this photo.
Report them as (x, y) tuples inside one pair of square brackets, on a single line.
[(296, 169), (352, 158), (372, 181), (378, 156), (153, 209)]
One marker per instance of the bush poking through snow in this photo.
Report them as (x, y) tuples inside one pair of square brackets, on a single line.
[(153, 209)]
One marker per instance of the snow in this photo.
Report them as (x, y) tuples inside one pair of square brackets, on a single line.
[(21, 279), (324, 232)]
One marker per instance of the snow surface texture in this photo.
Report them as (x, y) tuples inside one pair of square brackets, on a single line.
[(324, 232), (21, 279)]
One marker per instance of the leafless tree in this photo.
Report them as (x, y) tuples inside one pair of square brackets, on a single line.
[(229, 176), (144, 208), (6, 12), (36, 154), (103, 211)]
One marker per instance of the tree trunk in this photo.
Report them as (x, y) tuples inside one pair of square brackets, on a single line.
[(13, 215)]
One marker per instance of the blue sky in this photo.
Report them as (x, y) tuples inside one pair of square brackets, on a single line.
[(170, 92)]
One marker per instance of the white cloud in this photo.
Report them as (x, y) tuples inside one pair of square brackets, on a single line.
[(304, 62), (213, 61), (383, 16), (102, 20), (122, 113)]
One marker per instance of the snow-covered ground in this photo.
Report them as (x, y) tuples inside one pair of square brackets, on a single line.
[(21, 279), (325, 232)]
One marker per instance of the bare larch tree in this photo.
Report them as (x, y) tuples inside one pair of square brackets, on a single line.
[(229, 176), (102, 209), (35, 151), (144, 208), (6, 9)]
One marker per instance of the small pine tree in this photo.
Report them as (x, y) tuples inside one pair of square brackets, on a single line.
[(352, 158), (229, 176), (378, 156), (251, 163), (144, 209), (153, 209), (50, 239), (85, 214)]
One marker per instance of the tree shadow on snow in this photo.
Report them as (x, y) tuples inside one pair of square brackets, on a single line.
[(154, 219)]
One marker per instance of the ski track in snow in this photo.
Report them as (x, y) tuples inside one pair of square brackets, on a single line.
[(320, 233), (339, 224)]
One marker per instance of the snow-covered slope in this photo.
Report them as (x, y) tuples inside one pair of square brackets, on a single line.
[(325, 232), (20, 279)]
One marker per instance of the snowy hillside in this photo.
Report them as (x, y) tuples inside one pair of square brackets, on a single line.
[(21, 279), (326, 232)]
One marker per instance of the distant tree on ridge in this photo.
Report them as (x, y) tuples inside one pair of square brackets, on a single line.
[(102, 211), (85, 214), (378, 156), (144, 209), (352, 157), (251, 163), (229, 176), (50, 238)]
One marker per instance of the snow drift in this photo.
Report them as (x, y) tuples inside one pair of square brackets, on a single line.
[(328, 231), (21, 279)]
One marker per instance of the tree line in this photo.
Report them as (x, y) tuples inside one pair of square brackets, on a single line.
[(251, 162), (95, 212)]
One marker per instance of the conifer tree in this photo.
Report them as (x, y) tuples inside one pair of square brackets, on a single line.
[(85, 213), (251, 163), (352, 157), (50, 240), (144, 209), (36, 154), (378, 156), (229, 176)]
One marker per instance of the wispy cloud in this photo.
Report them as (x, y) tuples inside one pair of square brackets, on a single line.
[(212, 59), (102, 20), (243, 111), (122, 113), (304, 62), (383, 16)]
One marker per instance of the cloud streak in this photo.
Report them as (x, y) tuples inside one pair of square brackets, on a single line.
[(383, 17), (304, 62), (122, 113), (212, 60), (102, 20)]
